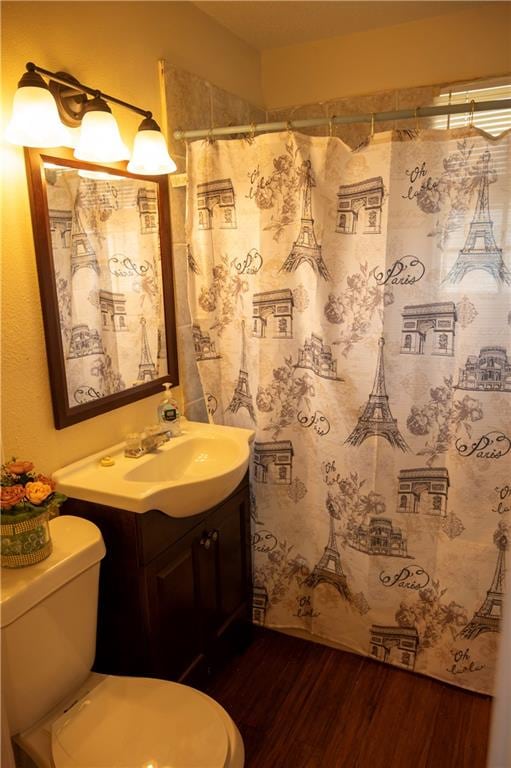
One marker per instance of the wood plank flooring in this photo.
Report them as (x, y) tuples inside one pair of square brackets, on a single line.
[(303, 705)]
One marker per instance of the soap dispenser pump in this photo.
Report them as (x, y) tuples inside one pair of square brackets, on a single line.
[(168, 412)]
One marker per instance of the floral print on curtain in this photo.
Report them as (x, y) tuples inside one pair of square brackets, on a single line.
[(353, 307), (106, 253)]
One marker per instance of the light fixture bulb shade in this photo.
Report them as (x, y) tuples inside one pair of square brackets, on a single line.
[(100, 140), (74, 136), (150, 155), (35, 120)]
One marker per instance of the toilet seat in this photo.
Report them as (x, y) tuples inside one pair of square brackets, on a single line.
[(129, 722)]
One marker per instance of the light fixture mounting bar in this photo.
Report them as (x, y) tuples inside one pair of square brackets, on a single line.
[(76, 85)]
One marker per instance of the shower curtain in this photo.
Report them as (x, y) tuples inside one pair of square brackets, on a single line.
[(353, 307)]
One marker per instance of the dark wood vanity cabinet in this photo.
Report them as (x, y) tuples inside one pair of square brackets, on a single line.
[(175, 593)]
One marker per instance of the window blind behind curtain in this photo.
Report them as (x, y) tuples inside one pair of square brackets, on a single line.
[(493, 122)]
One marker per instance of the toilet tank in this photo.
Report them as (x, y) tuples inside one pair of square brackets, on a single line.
[(48, 622)]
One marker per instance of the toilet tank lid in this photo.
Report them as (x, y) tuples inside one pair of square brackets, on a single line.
[(77, 545)]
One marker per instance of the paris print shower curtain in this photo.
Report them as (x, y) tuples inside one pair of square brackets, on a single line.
[(353, 307)]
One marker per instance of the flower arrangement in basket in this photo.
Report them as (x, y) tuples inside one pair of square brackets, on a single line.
[(27, 501)]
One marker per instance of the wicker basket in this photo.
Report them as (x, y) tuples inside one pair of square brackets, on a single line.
[(25, 543)]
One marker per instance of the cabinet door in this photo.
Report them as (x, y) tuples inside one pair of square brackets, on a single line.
[(229, 526), (206, 553), (176, 603)]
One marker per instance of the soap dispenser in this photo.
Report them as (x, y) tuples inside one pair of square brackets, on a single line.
[(168, 412)]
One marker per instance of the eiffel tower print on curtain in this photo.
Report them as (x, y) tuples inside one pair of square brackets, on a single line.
[(146, 367), (83, 254), (242, 397), (481, 250), (487, 617), (376, 418), (328, 569), (305, 247)]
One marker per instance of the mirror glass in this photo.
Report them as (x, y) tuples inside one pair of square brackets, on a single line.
[(106, 284)]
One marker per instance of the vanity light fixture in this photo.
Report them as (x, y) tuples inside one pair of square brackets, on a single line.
[(150, 153), (35, 123), (35, 119), (100, 140)]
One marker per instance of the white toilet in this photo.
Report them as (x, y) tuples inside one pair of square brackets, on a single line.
[(60, 713)]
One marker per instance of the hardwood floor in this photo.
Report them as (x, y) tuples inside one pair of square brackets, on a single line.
[(303, 705)]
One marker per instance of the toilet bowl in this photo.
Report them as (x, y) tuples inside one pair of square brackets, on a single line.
[(60, 714)]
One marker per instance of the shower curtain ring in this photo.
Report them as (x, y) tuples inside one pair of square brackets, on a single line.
[(210, 136), (289, 126), (251, 135), (372, 124), (330, 125), (472, 109)]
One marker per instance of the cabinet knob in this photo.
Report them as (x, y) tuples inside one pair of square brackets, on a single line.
[(206, 543), (214, 535)]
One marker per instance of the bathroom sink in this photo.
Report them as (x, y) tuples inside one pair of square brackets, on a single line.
[(184, 477)]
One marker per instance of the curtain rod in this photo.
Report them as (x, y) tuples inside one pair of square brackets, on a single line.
[(403, 114)]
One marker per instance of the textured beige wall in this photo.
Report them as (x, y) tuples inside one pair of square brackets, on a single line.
[(379, 101), (442, 49), (116, 46)]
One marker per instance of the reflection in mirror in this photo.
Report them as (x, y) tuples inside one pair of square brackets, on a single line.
[(106, 256), (108, 264)]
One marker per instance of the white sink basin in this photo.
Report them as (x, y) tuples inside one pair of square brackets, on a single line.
[(184, 477)]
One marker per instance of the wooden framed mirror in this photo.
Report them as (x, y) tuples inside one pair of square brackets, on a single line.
[(103, 249)]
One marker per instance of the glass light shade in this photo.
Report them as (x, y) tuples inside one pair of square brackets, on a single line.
[(150, 154), (100, 140), (35, 120), (74, 136)]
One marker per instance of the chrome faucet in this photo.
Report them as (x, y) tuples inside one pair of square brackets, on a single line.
[(153, 441), (137, 446)]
